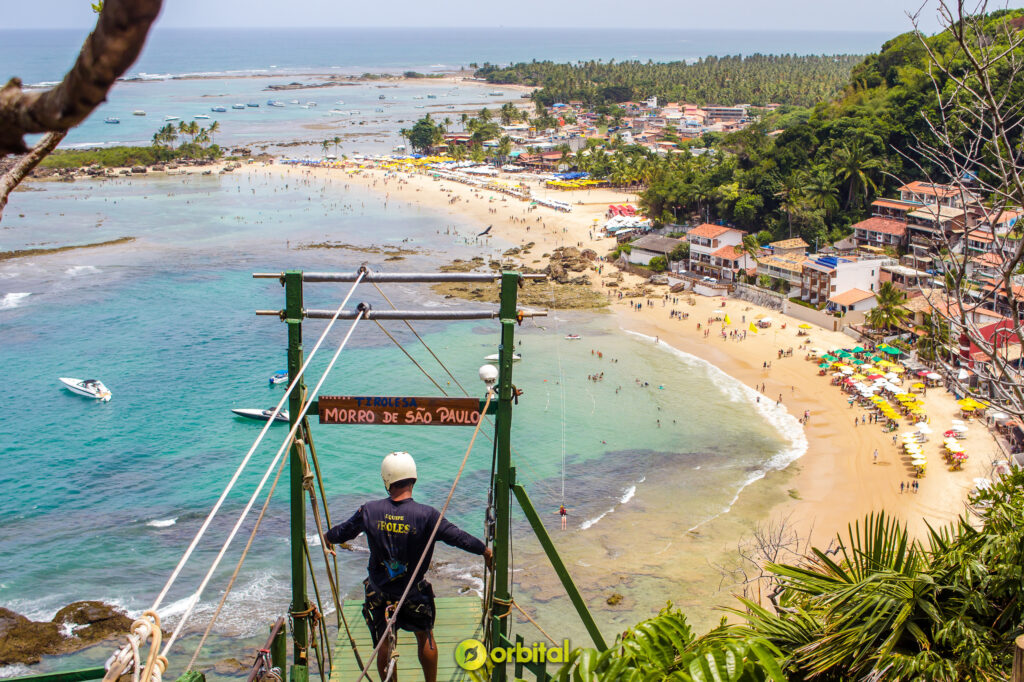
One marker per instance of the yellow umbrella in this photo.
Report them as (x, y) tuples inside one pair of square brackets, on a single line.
[(918, 385), (897, 369), (858, 377), (805, 326)]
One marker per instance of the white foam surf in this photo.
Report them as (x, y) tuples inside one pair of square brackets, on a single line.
[(76, 270), (13, 300), (782, 421), (626, 496), (162, 523)]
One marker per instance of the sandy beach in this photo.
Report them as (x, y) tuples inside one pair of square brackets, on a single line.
[(836, 482)]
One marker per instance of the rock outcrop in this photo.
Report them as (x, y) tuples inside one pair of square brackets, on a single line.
[(76, 626)]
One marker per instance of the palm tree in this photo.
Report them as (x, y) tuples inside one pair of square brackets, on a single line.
[(819, 186), (213, 130), (888, 311), (855, 167), (750, 247), (325, 145), (336, 141)]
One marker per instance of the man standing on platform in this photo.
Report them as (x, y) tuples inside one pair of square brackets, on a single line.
[(397, 534)]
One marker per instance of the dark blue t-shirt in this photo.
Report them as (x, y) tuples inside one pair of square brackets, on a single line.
[(397, 534)]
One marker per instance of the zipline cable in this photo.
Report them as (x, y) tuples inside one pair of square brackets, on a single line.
[(245, 460), (284, 446)]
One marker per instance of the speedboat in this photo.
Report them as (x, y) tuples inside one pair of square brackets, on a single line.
[(516, 357), (218, 109), (200, 116), (90, 388), (274, 103), (171, 118), (293, 101), (253, 104), (310, 104), (279, 377), (262, 415), (111, 119), (238, 106), (138, 112), (573, 337)]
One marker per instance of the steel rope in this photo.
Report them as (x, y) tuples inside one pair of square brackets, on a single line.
[(287, 442)]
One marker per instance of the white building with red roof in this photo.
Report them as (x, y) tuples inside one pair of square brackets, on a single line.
[(707, 256)]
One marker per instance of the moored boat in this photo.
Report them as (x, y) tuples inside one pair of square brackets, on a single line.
[(253, 104), (90, 388), (238, 106), (111, 119), (573, 337), (138, 112), (280, 377), (171, 118), (516, 357), (261, 415)]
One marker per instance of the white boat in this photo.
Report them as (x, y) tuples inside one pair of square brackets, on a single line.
[(111, 119), (293, 101), (238, 105), (200, 116), (218, 109), (280, 377), (516, 357), (339, 112), (573, 337), (310, 104), (90, 388), (262, 415), (170, 118), (138, 112)]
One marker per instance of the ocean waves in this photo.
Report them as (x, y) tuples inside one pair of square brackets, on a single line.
[(627, 495), (13, 300)]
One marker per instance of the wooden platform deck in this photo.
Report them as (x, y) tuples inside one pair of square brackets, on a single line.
[(458, 618)]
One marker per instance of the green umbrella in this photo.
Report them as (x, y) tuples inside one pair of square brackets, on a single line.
[(858, 349), (892, 351), (858, 362), (824, 365), (828, 357)]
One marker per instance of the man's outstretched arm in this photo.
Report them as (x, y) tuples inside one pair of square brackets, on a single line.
[(346, 531)]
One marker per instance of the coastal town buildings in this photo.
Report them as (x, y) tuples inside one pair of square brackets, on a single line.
[(650, 246), (825, 277)]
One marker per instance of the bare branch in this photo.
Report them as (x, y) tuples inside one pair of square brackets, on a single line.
[(24, 166), (107, 53)]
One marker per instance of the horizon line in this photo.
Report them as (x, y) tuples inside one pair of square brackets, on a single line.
[(474, 28)]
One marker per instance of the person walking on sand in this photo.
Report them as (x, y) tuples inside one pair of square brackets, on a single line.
[(901, 487), (876, 456)]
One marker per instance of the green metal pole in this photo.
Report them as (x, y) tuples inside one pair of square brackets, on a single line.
[(66, 676), (300, 602), (556, 561), (502, 472)]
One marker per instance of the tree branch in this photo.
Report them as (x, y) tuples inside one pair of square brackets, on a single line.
[(107, 53), (24, 166)]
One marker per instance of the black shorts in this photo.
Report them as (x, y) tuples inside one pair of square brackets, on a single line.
[(417, 614)]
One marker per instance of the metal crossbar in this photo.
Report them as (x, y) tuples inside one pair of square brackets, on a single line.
[(370, 314), (369, 276)]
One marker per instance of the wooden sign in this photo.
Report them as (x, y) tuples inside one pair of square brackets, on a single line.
[(402, 411)]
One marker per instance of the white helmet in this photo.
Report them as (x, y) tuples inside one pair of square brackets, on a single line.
[(397, 466)]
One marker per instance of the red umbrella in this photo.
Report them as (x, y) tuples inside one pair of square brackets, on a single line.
[(874, 376), (923, 373)]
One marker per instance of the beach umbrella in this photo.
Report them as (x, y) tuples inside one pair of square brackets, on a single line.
[(889, 350), (874, 377), (858, 362), (892, 376), (824, 365), (923, 428), (846, 369), (919, 385), (805, 326), (923, 373), (934, 376), (859, 377), (858, 349), (959, 428)]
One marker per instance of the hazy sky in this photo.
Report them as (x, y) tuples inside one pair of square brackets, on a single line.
[(852, 15)]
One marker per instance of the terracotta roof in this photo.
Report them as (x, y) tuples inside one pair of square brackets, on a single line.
[(981, 236), (851, 296), (895, 203), (728, 252), (883, 225), (795, 243), (993, 259), (918, 187), (708, 231)]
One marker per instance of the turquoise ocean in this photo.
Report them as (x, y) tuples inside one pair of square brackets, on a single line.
[(97, 501)]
